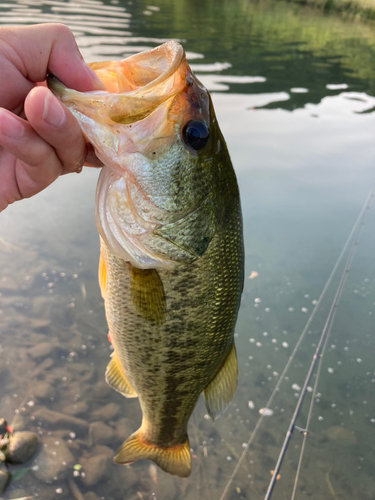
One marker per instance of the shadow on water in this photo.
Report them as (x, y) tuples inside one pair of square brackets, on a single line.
[(294, 94)]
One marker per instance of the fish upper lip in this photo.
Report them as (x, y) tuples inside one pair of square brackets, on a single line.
[(173, 51), (141, 100)]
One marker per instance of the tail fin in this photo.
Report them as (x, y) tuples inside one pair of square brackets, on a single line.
[(175, 460)]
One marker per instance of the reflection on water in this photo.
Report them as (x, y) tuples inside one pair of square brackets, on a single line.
[(294, 95)]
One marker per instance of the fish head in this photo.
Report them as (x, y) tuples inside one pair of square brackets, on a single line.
[(155, 130)]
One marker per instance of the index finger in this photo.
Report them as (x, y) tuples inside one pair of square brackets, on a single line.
[(29, 53)]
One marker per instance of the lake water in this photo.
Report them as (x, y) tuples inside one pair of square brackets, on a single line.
[(295, 97)]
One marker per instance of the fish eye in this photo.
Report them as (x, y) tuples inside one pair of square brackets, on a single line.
[(196, 134)]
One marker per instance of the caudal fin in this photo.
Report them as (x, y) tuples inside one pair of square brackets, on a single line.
[(175, 460)]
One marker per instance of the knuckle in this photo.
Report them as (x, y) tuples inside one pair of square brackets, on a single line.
[(61, 30), (41, 156)]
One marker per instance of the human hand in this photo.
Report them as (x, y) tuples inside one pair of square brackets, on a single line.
[(39, 138)]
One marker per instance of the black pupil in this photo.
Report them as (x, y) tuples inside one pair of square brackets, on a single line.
[(196, 134)]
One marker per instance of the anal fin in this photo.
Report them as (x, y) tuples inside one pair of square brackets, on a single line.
[(115, 378), (175, 459), (220, 391)]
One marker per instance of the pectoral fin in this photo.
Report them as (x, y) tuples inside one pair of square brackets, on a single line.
[(115, 377), (175, 459), (147, 293), (102, 274), (220, 391)]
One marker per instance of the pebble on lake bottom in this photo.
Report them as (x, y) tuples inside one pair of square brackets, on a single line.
[(22, 446), (54, 462), (266, 412)]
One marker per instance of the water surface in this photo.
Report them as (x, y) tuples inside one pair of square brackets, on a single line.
[(294, 95)]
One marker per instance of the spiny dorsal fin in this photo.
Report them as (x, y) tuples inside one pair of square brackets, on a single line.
[(220, 391), (115, 377), (147, 293), (175, 459)]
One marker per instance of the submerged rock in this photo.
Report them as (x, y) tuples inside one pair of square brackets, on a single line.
[(57, 375), (124, 427), (100, 449), (54, 419), (4, 480), (17, 494), (22, 446), (124, 477), (101, 433), (79, 368), (39, 323), (54, 460), (76, 408), (341, 434), (41, 350), (90, 495), (101, 389), (107, 412), (46, 492), (95, 469), (44, 390), (46, 364)]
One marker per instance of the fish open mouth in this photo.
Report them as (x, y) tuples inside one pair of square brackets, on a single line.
[(135, 86), (146, 69)]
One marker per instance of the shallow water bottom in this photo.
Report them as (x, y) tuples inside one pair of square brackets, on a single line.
[(54, 352)]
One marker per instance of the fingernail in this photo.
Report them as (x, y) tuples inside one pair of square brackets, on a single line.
[(10, 126), (96, 82), (53, 112)]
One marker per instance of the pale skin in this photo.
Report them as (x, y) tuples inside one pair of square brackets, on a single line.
[(39, 138)]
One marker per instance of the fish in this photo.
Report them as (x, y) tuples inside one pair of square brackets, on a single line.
[(171, 266)]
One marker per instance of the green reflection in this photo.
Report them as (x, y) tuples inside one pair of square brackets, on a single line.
[(280, 41)]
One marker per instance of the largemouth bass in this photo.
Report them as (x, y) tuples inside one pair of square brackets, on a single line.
[(171, 266)]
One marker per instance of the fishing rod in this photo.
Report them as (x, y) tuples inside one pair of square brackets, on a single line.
[(317, 353), (291, 357), (305, 431)]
